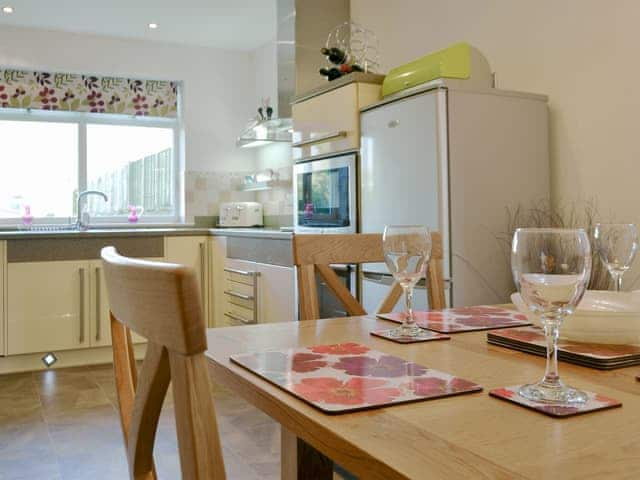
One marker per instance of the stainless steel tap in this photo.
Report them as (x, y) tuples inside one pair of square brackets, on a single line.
[(80, 224)]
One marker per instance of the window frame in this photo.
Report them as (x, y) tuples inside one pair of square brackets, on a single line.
[(82, 119)]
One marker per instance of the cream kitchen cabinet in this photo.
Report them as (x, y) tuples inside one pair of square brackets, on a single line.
[(57, 305), (257, 293), (47, 306), (100, 325), (330, 122), (192, 252)]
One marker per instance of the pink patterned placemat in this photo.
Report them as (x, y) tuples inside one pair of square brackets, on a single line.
[(349, 376), (464, 319), (594, 403), (425, 336), (595, 352)]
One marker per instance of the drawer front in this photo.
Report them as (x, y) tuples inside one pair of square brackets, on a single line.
[(239, 276), (238, 315), (329, 121)]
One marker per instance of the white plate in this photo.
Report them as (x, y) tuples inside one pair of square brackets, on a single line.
[(601, 317)]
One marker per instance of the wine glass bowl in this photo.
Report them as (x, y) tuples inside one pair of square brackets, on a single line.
[(407, 250), (551, 269), (616, 244)]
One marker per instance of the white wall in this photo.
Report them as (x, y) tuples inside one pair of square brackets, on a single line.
[(582, 53), (219, 86)]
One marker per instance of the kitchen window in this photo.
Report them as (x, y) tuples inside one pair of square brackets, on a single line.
[(48, 157)]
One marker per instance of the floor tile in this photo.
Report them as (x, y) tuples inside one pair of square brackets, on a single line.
[(64, 425)]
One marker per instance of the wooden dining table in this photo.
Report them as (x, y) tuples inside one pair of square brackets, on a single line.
[(466, 436)]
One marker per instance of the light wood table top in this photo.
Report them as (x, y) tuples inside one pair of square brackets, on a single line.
[(467, 436)]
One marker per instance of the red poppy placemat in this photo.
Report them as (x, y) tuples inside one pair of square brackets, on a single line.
[(349, 376), (424, 336), (464, 319), (595, 355), (594, 403)]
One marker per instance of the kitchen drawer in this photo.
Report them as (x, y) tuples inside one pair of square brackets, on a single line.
[(330, 122), (246, 301), (239, 276), (237, 287), (238, 315), (240, 294)]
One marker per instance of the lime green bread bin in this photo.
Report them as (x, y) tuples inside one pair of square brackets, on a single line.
[(459, 61)]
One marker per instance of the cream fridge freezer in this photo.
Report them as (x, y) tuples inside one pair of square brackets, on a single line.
[(454, 160)]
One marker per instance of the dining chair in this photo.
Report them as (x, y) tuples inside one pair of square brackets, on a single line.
[(315, 253), (161, 302)]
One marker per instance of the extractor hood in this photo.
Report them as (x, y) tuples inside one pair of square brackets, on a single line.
[(278, 129), (263, 132)]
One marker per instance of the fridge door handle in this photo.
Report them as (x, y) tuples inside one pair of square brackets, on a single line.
[(387, 279), (380, 278)]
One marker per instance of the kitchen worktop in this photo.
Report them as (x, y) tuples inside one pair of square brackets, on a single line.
[(267, 233)]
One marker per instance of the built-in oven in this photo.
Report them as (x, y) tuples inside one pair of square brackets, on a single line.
[(324, 194)]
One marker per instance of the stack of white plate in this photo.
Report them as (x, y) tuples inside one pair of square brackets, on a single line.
[(601, 317)]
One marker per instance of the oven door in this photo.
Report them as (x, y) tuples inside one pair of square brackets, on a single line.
[(324, 195)]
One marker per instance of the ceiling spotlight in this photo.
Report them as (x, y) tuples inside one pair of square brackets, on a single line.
[(7, 9), (153, 26), (49, 359)]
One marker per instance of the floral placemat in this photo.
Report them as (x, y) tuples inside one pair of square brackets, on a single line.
[(594, 403), (464, 319), (596, 355), (424, 336), (350, 376)]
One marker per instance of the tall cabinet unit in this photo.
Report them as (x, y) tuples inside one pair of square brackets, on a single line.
[(193, 252)]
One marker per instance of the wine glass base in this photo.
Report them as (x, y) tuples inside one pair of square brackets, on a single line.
[(556, 393), (412, 331)]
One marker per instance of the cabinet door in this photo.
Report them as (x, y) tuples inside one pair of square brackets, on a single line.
[(47, 306), (100, 321), (327, 123), (192, 252), (277, 294)]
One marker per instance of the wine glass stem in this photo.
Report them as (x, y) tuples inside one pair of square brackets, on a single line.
[(551, 331), (408, 303), (617, 281)]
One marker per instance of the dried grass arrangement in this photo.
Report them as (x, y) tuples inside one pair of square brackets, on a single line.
[(574, 215)]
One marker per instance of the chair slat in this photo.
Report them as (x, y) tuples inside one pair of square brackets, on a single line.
[(150, 393), (308, 293)]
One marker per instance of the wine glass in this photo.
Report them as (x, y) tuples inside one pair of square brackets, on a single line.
[(616, 243), (407, 250), (551, 268)]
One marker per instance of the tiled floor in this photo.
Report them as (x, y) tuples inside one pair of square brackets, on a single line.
[(63, 425)]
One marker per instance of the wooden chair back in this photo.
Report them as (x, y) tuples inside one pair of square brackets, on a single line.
[(162, 303), (315, 253)]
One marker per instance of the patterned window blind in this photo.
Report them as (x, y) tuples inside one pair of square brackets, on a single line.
[(87, 93)]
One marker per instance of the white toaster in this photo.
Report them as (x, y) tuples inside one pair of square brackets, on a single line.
[(241, 214)]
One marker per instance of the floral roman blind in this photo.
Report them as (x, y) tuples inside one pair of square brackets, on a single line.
[(87, 93)]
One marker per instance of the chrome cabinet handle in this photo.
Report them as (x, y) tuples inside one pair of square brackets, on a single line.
[(81, 338), (319, 139), (242, 272), (98, 309), (238, 295), (238, 318)]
